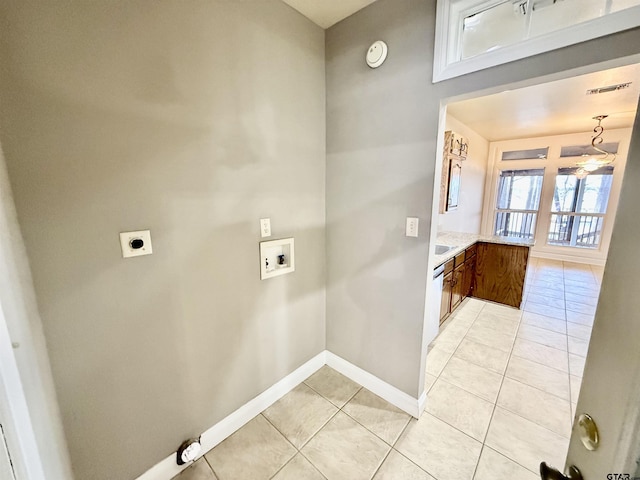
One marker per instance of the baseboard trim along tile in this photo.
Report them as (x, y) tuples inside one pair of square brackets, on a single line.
[(587, 260), (372, 383), (422, 404), (168, 468)]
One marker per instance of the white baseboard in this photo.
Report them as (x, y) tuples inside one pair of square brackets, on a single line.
[(422, 402), (372, 383), (589, 260), (168, 468)]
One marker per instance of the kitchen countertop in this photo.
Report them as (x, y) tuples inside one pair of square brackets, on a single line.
[(463, 240)]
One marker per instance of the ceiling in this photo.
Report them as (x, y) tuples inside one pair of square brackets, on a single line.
[(553, 108), (326, 13)]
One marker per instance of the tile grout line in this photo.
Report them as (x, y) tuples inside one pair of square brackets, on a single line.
[(537, 388), (569, 375), (375, 434), (277, 430), (461, 388), (375, 472), (482, 443), (456, 349), (553, 318), (495, 405), (204, 455), (571, 413), (521, 321), (504, 408), (453, 427), (312, 464), (502, 455), (477, 364), (529, 419), (505, 376), (408, 459), (341, 409), (538, 363), (391, 446), (394, 449), (299, 450), (568, 365)]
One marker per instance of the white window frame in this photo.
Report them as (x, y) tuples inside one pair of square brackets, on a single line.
[(542, 248), (576, 215), (450, 15), (497, 210)]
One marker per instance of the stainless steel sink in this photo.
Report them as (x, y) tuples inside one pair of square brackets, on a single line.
[(440, 249)]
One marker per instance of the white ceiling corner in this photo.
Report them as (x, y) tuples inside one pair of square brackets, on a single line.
[(326, 13)]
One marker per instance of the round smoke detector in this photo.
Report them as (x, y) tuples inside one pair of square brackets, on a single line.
[(377, 54)]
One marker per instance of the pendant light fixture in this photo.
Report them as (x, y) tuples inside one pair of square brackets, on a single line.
[(599, 160)]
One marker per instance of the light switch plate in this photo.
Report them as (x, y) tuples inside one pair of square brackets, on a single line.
[(265, 227), (135, 244), (412, 226)]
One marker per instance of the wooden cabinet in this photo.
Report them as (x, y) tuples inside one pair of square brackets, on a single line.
[(455, 152), (454, 288), (500, 273), (447, 287), (445, 305), (468, 280), (489, 271), (457, 293)]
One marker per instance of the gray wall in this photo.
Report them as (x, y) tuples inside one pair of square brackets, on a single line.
[(381, 148), (193, 119), (378, 174)]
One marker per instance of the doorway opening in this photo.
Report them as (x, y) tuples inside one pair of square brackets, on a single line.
[(511, 377)]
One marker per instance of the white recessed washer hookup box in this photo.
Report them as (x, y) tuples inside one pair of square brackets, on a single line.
[(277, 257)]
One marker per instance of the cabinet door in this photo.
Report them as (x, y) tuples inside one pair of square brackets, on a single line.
[(469, 275), (445, 305), (458, 286), (500, 273)]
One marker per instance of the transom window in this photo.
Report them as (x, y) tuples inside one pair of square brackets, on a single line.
[(475, 34), (523, 19)]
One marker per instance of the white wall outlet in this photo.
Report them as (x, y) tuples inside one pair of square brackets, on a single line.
[(412, 226), (135, 244), (265, 227)]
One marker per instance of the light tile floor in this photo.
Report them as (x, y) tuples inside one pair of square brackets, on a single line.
[(502, 386)]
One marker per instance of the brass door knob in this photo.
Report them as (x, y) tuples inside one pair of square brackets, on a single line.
[(588, 432)]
